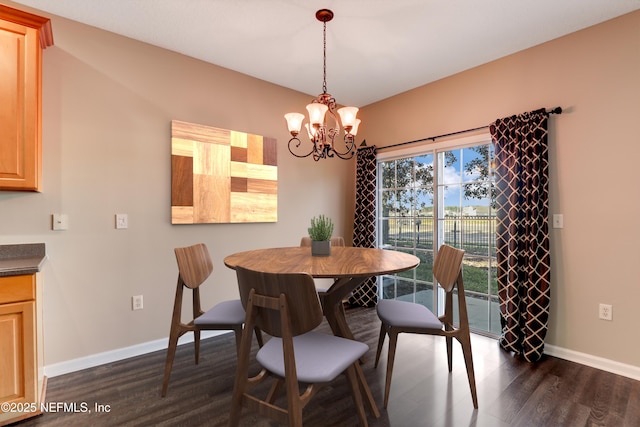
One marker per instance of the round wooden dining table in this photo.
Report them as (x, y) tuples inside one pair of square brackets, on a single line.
[(348, 266)]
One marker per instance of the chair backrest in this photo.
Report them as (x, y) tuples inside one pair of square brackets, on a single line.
[(335, 241), (298, 289), (194, 264), (447, 266)]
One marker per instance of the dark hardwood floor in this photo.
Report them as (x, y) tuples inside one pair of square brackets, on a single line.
[(511, 392)]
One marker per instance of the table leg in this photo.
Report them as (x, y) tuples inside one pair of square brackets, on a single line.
[(333, 308)]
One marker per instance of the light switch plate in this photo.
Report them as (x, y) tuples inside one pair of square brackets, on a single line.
[(122, 221), (60, 222)]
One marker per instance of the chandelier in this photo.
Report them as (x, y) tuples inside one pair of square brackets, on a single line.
[(323, 126)]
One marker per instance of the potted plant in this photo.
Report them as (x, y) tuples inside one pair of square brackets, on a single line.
[(320, 233)]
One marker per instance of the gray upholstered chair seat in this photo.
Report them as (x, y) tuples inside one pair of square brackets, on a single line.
[(395, 313), (319, 357), (225, 313)]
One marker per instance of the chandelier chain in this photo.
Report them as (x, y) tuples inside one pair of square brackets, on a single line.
[(324, 52)]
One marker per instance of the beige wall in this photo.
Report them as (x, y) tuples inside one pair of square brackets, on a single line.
[(594, 75), (108, 103)]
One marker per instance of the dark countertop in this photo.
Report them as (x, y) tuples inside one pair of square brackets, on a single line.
[(21, 259)]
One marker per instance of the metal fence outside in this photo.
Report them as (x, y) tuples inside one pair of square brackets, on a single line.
[(475, 234)]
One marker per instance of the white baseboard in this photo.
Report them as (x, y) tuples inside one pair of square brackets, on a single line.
[(612, 366), (74, 365)]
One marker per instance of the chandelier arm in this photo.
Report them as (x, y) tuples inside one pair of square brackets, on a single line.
[(319, 154), (350, 144), (327, 152), (347, 156), (297, 145)]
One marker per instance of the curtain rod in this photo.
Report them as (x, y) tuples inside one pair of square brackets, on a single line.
[(556, 110)]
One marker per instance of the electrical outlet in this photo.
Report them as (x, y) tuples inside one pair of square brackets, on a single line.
[(558, 221), (606, 312), (136, 302)]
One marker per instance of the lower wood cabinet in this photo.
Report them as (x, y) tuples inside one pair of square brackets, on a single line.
[(21, 377)]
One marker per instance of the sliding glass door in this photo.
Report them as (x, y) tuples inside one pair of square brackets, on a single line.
[(441, 195)]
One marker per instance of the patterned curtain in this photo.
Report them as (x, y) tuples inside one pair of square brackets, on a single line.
[(364, 225), (522, 235)]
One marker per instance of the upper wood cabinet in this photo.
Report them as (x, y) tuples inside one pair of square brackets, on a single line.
[(23, 36)]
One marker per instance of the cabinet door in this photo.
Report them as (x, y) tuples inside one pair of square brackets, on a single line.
[(20, 153), (18, 382)]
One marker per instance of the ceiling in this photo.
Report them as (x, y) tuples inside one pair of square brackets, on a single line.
[(375, 48)]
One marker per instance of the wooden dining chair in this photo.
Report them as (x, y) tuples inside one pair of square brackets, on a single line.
[(286, 306), (194, 267), (402, 316)]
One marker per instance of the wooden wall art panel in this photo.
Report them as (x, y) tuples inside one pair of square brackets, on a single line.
[(222, 176)]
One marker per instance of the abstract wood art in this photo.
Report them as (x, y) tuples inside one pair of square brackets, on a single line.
[(222, 176)]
